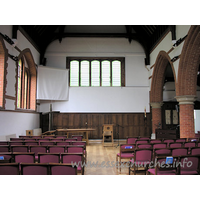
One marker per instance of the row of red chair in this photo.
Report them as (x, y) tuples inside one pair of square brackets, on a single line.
[(37, 169), (42, 142), (30, 157)]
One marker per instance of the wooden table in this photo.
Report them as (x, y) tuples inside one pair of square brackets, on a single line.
[(85, 132)]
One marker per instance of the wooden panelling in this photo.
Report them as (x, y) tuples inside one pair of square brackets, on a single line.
[(126, 124)]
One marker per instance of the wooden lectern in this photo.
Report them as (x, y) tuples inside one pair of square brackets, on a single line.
[(108, 134)]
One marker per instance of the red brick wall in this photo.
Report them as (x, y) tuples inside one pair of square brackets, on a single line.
[(187, 121), (156, 118)]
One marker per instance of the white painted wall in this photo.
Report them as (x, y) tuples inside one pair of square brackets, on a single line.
[(132, 98), (17, 123)]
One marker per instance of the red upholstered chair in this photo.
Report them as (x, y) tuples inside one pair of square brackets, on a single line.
[(175, 144), (131, 140), (56, 140), (142, 146), (79, 137), (38, 149), (75, 149), (153, 141), (161, 145), (126, 153), (9, 169), (56, 149), (19, 148), (48, 157), (183, 151), (70, 139), (28, 157), (11, 143), (142, 159), (31, 143), (62, 169), (7, 156), (189, 165), (45, 143), (83, 143), (74, 158), (16, 139), (4, 143), (141, 141), (181, 140), (162, 168), (195, 151), (4, 148), (34, 169), (63, 143)]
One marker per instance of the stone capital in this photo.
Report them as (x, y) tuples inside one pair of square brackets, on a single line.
[(186, 99), (156, 104)]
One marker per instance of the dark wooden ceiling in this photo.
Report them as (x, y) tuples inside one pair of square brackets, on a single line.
[(42, 35)]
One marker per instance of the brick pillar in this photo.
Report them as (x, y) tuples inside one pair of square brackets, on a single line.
[(156, 116), (186, 115)]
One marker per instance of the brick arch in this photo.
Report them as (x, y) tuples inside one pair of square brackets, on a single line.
[(189, 63), (3, 72), (159, 75), (33, 73)]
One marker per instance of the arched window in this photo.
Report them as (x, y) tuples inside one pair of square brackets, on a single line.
[(3, 66), (23, 84)]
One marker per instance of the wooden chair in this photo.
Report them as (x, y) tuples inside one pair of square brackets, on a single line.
[(126, 153)]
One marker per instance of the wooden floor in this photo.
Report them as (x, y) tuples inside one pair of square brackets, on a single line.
[(102, 160)]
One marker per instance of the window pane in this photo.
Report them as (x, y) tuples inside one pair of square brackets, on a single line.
[(105, 73), (85, 73), (25, 89), (74, 73), (95, 73), (116, 73), (19, 80)]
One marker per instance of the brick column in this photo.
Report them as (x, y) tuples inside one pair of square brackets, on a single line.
[(186, 115), (156, 116)]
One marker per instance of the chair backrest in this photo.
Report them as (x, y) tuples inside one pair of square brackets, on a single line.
[(190, 144), (19, 148), (75, 158), (143, 154), (56, 140), (64, 143), (31, 143), (9, 168), (162, 145), (37, 149), (189, 163), (24, 157), (46, 143), (29, 140), (48, 157), (4, 148), (79, 143), (195, 151), (7, 156), (56, 149), (181, 140), (4, 143), (153, 141), (60, 137), (62, 169), (48, 137), (79, 137), (131, 140), (175, 144), (34, 169), (168, 141), (144, 138), (180, 151), (141, 141), (16, 143), (70, 139), (75, 148), (142, 146), (162, 152)]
